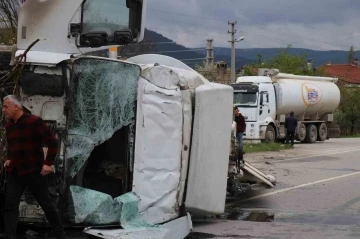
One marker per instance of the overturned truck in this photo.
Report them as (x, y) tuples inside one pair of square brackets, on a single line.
[(140, 144), (133, 141), (137, 146)]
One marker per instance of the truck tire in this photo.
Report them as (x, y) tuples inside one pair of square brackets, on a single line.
[(311, 134), (301, 133), (322, 132), (270, 134)]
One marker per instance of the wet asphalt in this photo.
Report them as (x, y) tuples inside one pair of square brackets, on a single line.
[(316, 196)]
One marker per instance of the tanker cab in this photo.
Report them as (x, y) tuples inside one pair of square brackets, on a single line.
[(256, 102)]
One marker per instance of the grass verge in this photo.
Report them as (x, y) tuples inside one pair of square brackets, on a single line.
[(265, 147)]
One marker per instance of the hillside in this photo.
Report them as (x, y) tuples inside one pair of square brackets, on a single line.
[(318, 57), (244, 56), (157, 43), (184, 53)]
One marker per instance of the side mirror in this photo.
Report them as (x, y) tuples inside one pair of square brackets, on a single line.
[(123, 37), (131, 4), (94, 39), (261, 99)]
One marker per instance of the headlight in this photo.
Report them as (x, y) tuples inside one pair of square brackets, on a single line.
[(252, 131)]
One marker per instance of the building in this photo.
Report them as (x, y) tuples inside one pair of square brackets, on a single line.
[(348, 74)]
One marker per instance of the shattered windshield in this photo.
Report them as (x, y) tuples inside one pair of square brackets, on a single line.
[(245, 99), (103, 102), (99, 144)]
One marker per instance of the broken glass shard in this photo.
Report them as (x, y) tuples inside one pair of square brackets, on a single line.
[(92, 207)]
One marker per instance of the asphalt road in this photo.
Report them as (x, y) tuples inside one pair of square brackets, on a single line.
[(317, 195)]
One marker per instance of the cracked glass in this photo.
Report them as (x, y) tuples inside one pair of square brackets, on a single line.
[(103, 101)]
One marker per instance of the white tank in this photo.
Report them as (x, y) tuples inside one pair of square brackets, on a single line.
[(306, 96)]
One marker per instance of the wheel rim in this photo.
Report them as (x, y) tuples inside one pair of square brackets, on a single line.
[(302, 132), (313, 133), (270, 136), (323, 131)]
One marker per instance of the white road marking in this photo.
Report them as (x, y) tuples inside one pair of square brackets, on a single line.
[(316, 155), (293, 188), (327, 149)]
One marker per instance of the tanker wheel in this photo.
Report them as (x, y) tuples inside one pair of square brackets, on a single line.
[(311, 134), (322, 132), (301, 133), (270, 135)]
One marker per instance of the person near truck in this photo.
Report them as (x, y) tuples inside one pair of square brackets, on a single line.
[(240, 125), (26, 165), (290, 125)]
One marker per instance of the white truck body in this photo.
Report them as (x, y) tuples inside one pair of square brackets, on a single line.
[(266, 101)]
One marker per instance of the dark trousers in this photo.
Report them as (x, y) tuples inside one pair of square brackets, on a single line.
[(38, 186), (291, 136)]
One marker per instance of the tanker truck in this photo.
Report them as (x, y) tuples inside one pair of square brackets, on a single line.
[(267, 99)]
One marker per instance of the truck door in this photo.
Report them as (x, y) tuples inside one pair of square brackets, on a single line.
[(264, 108)]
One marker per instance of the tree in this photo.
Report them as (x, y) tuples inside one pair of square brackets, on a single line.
[(8, 21), (348, 113), (351, 55), (286, 63)]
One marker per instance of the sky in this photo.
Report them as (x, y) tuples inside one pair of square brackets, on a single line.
[(311, 24)]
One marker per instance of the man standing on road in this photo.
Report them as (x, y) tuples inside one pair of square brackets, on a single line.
[(26, 166), (240, 125), (290, 125)]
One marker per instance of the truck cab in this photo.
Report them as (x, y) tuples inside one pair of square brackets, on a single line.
[(255, 98)]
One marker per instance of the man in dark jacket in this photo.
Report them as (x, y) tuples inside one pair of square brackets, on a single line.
[(290, 125), (26, 165), (240, 125)]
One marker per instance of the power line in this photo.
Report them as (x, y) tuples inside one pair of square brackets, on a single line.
[(190, 59), (156, 43), (251, 25), (281, 39), (202, 49), (217, 35), (223, 37), (260, 44)]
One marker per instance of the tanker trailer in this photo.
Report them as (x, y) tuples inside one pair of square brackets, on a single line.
[(267, 99)]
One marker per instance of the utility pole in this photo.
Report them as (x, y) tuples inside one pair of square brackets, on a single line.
[(209, 53), (233, 40)]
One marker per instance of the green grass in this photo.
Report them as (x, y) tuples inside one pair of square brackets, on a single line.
[(265, 147)]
